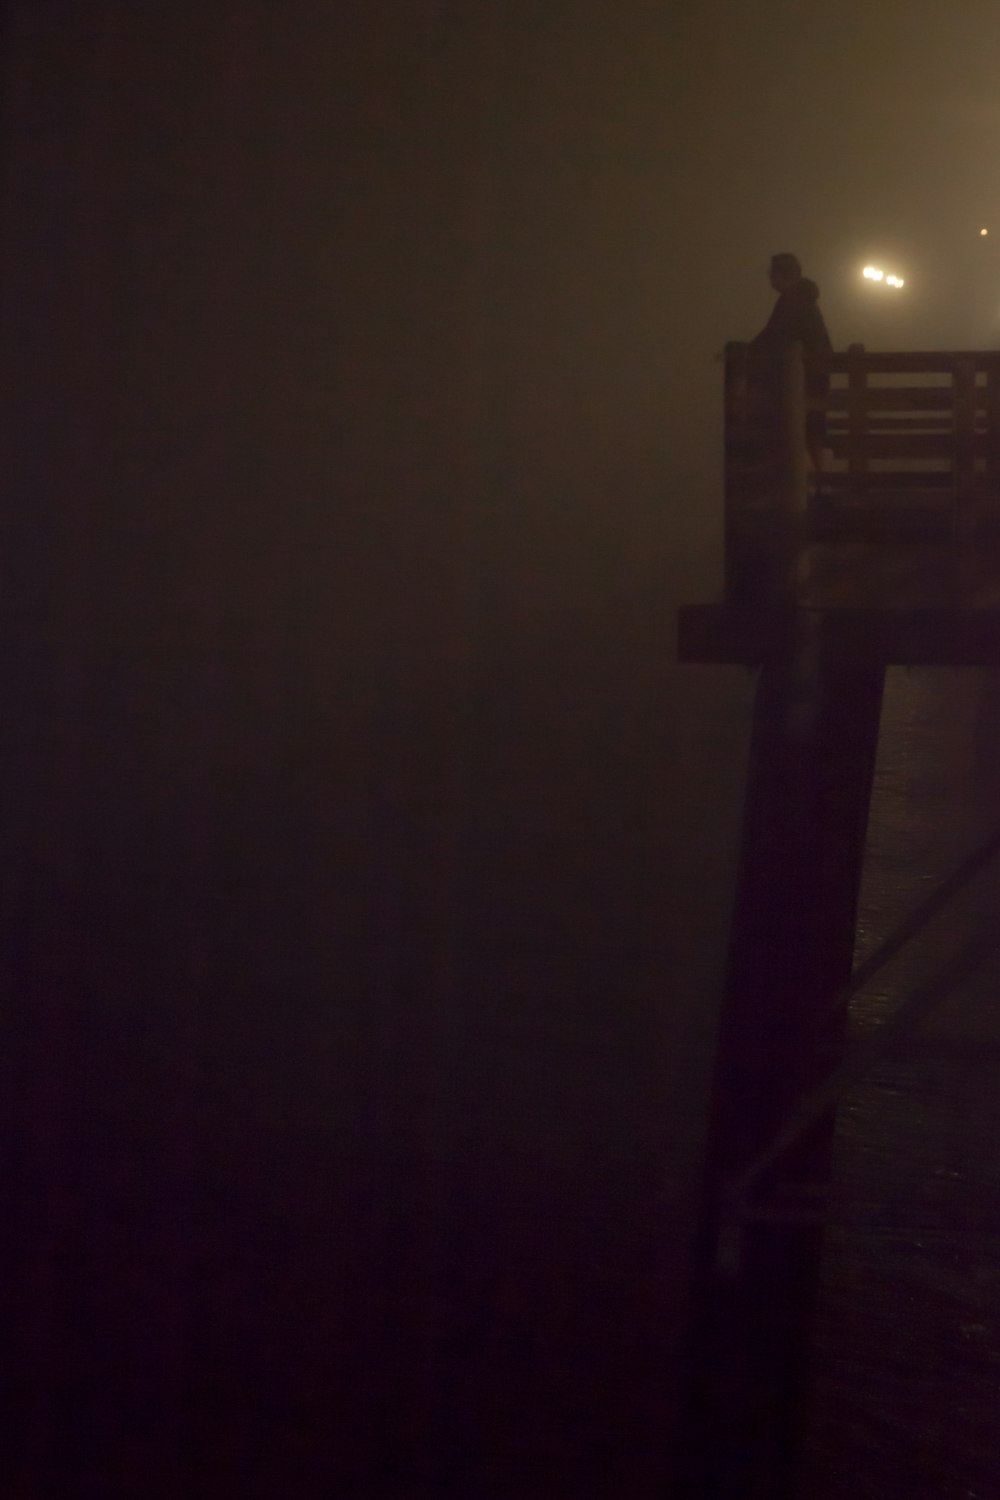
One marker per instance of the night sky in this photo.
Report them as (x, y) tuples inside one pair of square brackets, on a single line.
[(367, 857)]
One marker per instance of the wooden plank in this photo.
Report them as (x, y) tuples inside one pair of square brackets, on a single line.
[(932, 398), (837, 426), (913, 422), (882, 526), (906, 637), (939, 362), (880, 445), (891, 479), (933, 361)]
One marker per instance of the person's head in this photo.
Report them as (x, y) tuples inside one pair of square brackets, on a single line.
[(785, 271)]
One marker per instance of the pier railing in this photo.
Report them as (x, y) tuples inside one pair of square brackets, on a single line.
[(911, 451)]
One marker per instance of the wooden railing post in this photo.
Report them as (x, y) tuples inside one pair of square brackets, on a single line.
[(993, 430), (857, 418), (964, 397), (791, 434)]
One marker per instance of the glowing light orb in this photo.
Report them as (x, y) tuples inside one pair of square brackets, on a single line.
[(984, 231), (874, 273)]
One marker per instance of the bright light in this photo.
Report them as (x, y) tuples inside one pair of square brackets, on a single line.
[(873, 273), (984, 231)]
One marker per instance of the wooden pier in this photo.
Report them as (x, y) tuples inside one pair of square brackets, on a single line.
[(891, 555)]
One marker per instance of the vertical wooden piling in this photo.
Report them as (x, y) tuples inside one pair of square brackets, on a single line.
[(741, 450), (812, 756), (765, 475)]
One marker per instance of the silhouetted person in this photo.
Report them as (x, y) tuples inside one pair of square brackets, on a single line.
[(796, 319)]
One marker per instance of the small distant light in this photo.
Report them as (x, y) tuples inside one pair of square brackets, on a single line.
[(984, 231), (894, 281), (873, 273)]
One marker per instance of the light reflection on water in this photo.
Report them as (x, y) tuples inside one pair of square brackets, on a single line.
[(907, 1384)]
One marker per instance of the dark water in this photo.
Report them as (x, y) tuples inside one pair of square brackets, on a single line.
[(907, 1376)]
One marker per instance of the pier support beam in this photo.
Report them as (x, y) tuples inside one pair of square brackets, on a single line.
[(812, 756)]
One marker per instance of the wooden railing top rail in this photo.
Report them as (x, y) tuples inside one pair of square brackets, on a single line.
[(923, 361)]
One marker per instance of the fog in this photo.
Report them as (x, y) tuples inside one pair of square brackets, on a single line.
[(599, 190), (371, 855)]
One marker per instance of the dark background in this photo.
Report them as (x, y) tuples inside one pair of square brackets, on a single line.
[(365, 857)]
